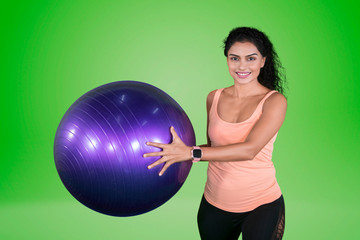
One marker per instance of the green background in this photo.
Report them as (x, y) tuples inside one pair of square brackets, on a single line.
[(52, 52)]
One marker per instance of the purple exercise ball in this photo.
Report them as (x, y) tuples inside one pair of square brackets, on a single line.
[(100, 142)]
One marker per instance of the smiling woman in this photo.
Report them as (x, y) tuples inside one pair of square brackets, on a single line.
[(244, 61), (241, 193)]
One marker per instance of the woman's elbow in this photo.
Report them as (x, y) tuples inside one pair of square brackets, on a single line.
[(251, 155), (251, 152)]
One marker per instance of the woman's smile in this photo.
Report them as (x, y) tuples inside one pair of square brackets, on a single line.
[(243, 74)]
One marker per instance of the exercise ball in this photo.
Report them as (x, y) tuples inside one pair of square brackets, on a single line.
[(100, 142)]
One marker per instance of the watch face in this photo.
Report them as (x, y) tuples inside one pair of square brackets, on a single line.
[(197, 153)]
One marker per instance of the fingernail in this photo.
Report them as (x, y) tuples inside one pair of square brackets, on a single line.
[(160, 174), (149, 167), (147, 143)]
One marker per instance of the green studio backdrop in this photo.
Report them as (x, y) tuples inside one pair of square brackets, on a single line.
[(52, 52)]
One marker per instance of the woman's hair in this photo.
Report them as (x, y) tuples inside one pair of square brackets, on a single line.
[(272, 75)]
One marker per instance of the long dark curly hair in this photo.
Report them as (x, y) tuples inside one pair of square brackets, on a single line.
[(272, 75)]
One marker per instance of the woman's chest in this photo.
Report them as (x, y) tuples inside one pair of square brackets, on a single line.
[(237, 110)]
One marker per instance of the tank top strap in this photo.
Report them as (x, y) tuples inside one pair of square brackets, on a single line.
[(261, 103), (266, 97), (216, 99)]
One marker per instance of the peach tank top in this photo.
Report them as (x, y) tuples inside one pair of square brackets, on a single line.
[(239, 186)]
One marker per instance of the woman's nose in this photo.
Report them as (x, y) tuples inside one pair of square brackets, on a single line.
[(242, 65)]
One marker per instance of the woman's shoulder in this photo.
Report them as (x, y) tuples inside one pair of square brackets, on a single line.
[(277, 96), (212, 94), (210, 98), (276, 99)]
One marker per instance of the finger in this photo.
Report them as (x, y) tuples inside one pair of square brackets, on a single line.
[(154, 144), (158, 162), (153, 154), (166, 166), (173, 133)]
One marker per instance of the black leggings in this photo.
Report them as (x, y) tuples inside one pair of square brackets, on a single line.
[(265, 222)]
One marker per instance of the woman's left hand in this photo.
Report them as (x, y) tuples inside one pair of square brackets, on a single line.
[(171, 153)]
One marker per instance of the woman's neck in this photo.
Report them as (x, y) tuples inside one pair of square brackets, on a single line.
[(246, 90)]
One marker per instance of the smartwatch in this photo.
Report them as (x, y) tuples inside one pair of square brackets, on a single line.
[(196, 153)]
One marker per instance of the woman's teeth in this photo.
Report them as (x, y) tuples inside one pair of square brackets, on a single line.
[(243, 74)]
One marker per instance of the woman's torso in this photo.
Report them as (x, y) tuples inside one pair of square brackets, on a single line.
[(239, 186)]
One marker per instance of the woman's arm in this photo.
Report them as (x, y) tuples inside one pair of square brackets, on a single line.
[(209, 101), (272, 117)]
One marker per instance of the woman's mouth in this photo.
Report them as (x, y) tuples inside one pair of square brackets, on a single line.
[(243, 74)]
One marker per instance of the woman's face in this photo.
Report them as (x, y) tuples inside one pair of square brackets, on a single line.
[(244, 61)]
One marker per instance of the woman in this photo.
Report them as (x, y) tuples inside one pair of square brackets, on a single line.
[(241, 193)]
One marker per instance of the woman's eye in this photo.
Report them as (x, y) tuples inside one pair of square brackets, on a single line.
[(234, 58), (252, 58)]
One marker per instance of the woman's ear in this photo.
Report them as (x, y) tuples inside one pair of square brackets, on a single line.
[(263, 62)]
